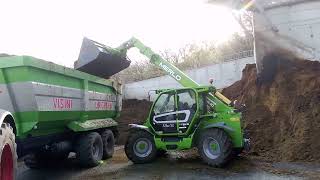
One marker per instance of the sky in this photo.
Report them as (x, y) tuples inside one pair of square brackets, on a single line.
[(53, 30)]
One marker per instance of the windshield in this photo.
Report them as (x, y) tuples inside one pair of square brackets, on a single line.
[(164, 104)]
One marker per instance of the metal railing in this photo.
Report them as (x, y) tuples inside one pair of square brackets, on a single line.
[(236, 56)]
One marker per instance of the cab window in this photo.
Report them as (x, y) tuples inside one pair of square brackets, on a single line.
[(164, 104), (187, 100)]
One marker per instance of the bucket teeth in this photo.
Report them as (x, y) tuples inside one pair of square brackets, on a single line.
[(99, 60)]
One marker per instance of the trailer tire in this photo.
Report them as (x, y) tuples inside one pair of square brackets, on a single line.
[(147, 154), (89, 149), (8, 153), (108, 143), (33, 161), (215, 147)]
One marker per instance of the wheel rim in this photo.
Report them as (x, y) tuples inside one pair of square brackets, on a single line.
[(142, 147), (6, 163), (211, 148), (95, 149)]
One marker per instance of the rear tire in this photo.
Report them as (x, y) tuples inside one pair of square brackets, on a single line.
[(8, 153), (215, 147), (89, 149), (108, 144), (140, 147), (35, 161)]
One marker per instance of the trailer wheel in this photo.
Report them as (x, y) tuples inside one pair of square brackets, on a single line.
[(34, 161), (215, 147), (108, 144), (8, 153), (89, 149), (140, 147)]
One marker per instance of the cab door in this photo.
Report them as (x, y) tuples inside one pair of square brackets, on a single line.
[(163, 115), (186, 108)]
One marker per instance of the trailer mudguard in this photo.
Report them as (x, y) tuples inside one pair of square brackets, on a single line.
[(79, 126)]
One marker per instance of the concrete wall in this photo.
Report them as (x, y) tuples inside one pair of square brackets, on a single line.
[(290, 24), (224, 75)]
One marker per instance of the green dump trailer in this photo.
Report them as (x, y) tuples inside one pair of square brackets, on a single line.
[(54, 110)]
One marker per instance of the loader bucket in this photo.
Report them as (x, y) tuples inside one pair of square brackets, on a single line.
[(99, 60)]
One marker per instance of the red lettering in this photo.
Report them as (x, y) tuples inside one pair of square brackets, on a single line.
[(62, 103), (103, 105), (54, 102), (71, 104), (68, 104)]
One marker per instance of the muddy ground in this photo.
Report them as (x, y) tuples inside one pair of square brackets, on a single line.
[(184, 165)]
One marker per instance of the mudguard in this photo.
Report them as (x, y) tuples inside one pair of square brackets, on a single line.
[(221, 125), (139, 127)]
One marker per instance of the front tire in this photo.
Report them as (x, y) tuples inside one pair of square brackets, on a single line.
[(140, 147), (215, 147), (89, 149)]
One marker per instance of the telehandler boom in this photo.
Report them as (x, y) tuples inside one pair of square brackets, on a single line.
[(169, 68)]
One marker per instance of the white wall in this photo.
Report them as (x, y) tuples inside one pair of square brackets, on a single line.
[(300, 22), (298, 25), (224, 75)]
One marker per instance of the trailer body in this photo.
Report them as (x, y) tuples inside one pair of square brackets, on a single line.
[(48, 100)]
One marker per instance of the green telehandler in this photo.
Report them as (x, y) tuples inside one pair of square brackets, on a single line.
[(193, 116)]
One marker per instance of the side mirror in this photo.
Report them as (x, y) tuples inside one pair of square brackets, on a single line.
[(151, 95)]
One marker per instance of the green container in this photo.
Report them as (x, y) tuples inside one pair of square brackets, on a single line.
[(46, 98)]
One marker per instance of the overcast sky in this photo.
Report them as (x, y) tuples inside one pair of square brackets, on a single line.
[(53, 30)]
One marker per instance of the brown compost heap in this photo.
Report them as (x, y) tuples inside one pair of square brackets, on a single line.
[(282, 115)]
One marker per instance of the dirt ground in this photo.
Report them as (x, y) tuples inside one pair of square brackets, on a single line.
[(177, 165)]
